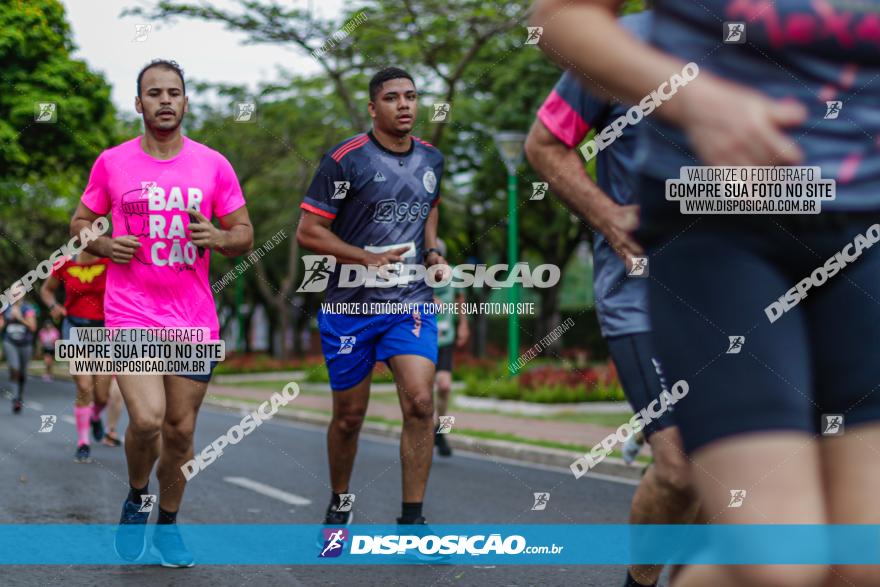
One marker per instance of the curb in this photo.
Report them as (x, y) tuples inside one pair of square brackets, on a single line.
[(518, 451)]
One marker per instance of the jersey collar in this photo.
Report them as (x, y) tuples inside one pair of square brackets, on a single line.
[(412, 146)]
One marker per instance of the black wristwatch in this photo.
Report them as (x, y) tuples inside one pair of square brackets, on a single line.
[(432, 250)]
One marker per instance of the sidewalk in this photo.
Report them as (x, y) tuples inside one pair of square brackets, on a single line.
[(533, 428)]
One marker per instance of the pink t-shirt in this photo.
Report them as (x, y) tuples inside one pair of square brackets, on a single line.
[(166, 283), (48, 336)]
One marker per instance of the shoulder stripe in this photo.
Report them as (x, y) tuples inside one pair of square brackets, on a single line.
[(315, 210), (351, 145), (426, 143)]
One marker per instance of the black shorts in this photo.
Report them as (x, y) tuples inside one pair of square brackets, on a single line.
[(202, 378), (633, 356), (444, 358), (713, 277), (76, 322)]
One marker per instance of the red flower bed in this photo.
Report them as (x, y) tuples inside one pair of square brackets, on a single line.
[(555, 375)]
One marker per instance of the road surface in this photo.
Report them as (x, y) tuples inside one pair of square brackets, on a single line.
[(278, 474)]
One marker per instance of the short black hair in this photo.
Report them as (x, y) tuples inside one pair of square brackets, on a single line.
[(165, 64), (384, 75)]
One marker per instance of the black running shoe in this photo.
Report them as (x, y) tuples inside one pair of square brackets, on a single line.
[(443, 448), (169, 547), (16, 406), (335, 518), (131, 537), (419, 527), (83, 454), (98, 429)]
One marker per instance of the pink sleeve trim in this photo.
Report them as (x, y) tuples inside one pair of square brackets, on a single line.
[(560, 119)]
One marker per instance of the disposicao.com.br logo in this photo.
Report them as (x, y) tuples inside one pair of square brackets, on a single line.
[(320, 268), (432, 544)]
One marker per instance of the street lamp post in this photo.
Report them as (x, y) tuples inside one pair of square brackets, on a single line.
[(510, 146)]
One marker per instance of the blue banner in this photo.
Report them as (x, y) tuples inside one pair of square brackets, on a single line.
[(47, 544)]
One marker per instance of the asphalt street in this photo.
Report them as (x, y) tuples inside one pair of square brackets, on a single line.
[(278, 475)]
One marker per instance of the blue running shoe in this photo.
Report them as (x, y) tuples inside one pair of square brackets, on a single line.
[(169, 547), (82, 454), (131, 538), (419, 527)]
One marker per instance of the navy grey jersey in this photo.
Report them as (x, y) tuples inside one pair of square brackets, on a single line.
[(378, 200), (824, 54), (569, 113)]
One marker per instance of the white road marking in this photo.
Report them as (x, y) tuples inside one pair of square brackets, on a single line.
[(69, 419), (268, 490), (33, 405)]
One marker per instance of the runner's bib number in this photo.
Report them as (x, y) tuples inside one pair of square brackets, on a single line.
[(408, 256)]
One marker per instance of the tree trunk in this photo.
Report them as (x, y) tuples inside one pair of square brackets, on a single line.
[(550, 317), (284, 323), (246, 327)]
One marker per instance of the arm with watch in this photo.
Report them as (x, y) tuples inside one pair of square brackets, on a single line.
[(47, 295), (432, 253)]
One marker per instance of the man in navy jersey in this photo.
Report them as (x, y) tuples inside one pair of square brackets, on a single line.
[(665, 494), (373, 203)]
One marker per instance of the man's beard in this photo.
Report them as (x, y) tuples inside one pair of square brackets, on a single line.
[(157, 124)]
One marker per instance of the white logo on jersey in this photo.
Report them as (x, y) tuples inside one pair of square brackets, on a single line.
[(429, 180)]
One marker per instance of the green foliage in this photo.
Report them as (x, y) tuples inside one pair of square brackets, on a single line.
[(35, 49), (466, 52), (511, 389), (44, 166), (555, 385)]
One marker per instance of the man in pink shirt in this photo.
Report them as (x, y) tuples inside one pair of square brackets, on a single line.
[(161, 190)]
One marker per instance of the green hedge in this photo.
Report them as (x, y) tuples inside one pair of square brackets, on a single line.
[(511, 389)]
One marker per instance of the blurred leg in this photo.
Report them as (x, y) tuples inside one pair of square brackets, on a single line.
[(444, 387), (852, 485), (85, 390), (781, 473), (666, 494), (114, 407)]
